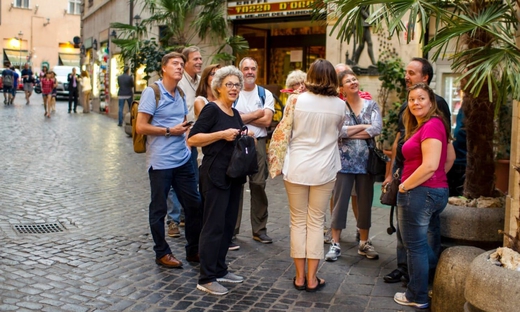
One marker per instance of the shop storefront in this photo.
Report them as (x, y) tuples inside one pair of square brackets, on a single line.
[(281, 37)]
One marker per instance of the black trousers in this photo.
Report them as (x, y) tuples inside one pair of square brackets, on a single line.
[(220, 211), (73, 95)]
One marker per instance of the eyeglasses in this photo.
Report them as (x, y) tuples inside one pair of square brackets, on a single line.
[(350, 81), (297, 85), (212, 73), (230, 85)]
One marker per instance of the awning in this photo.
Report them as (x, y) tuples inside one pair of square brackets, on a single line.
[(69, 59), (15, 57)]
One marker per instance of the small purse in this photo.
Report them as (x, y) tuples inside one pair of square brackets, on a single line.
[(243, 160), (376, 163), (389, 191), (280, 139)]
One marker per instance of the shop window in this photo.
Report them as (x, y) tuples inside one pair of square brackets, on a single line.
[(21, 4)]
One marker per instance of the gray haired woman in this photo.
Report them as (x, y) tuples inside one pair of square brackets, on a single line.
[(215, 131)]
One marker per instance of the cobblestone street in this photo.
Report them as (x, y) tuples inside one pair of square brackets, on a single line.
[(80, 171)]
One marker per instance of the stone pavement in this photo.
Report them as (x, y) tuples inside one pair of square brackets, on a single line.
[(79, 171)]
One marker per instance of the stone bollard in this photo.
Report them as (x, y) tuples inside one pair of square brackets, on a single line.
[(450, 278)]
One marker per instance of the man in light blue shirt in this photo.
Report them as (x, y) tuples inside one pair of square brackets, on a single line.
[(168, 159)]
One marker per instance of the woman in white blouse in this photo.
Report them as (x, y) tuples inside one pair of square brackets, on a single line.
[(310, 169)]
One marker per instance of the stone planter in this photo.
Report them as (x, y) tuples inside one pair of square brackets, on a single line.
[(450, 278), (491, 288), (470, 226)]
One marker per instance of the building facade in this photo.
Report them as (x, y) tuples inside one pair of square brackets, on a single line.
[(39, 32), (282, 37)]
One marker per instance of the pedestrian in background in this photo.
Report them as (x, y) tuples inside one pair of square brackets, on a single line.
[(310, 172), (15, 83), (28, 82), (204, 95), (7, 85), (125, 92), (86, 88), (47, 86), (423, 192), (168, 160), (54, 92), (215, 131), (363, 122), (73, 81)]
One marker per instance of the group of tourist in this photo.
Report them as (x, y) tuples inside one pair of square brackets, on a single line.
[(325, 162)]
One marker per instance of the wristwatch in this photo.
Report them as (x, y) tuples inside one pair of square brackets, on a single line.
[(167, 134)]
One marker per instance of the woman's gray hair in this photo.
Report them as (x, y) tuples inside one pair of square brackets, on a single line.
[(294, 77), (221, 74)]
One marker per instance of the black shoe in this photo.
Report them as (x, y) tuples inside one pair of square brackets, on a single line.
[(75, 112), (119, 125), (394, 276), (263, 238), (68, 112)]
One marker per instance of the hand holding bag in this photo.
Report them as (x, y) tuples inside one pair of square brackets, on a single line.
[(243, 160), (280, 139), (376, 163), (389, 191)]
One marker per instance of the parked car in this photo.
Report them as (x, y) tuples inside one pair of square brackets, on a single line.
[(20, 83), (62, 72)]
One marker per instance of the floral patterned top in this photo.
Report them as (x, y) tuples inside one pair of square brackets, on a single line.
[(354, 152)]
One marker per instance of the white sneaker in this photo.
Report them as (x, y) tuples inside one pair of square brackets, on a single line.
[(368, 251), (334, 252), (213, 288), (400, 298)]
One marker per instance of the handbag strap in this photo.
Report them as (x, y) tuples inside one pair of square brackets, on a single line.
[(370, 142)]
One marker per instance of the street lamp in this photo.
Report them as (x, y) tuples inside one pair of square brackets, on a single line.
[(20, 35), (137, 18)]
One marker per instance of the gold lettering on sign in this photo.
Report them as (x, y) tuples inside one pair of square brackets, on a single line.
[(255, 8)]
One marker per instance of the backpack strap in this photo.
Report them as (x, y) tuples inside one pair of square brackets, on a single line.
[(157, 93), (261, 94)]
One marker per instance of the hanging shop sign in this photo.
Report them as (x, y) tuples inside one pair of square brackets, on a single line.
[(267, 9)]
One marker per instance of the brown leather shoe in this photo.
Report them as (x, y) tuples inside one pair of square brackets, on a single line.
[(193, 258), (169, 261)]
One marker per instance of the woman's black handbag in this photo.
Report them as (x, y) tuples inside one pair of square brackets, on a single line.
[(389, 191), (243, 160), (377, 160)]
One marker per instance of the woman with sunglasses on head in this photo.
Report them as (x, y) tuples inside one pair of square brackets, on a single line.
[(363, 122), (215, 131), (423, 192), (204, 95)]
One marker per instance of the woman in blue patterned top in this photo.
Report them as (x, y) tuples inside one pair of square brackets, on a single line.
[(365, 123)]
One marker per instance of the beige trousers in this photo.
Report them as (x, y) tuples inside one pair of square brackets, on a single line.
[(308, 205)]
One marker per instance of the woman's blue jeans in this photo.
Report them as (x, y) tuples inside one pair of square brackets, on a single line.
[(417, 210)]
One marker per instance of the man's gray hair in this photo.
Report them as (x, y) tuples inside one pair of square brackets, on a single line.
[(188, 50), (247, 58), (221, 74)]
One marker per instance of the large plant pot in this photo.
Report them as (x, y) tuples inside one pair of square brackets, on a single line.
[(470, 226), (492, 288), (450, 278), (502, 175)]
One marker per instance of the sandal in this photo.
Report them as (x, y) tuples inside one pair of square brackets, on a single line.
[(299, 287), (321, 284)]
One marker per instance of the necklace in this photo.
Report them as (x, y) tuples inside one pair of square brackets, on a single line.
[(188, 78)]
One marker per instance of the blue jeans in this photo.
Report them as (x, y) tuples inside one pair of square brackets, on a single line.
[(121, 108), (419, 210), (182, 180), (175, 210)]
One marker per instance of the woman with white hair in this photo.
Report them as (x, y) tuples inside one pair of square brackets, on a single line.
[(215, 131)]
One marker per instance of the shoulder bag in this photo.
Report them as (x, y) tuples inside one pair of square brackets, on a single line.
[(243, 160), (389, 191)]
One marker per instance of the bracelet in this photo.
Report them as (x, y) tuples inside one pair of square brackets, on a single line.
[(402, 187)]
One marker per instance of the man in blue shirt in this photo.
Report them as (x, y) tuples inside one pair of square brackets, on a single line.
[(7, 82), (168, 159)]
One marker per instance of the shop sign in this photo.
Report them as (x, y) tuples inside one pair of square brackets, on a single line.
[(267, 9)]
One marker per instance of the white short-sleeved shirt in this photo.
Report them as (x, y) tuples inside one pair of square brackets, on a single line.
[(250, 101), (313, 156)]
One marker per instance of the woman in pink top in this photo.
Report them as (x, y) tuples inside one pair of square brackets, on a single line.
[(47, 85), (423, 192)]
